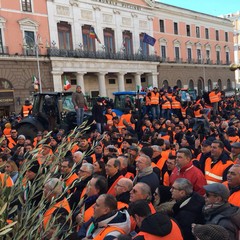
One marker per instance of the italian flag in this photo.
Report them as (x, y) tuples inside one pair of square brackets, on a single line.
[(67, 84), (35, 83)]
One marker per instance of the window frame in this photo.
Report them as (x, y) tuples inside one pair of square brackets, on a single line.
[(64, 27), (206, 33), (161, 25), (175, 28), (198, 35), (188, 31), (25, 7), (109, 40)]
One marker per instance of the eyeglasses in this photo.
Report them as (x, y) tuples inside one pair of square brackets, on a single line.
[(13, 132), (80, 170)]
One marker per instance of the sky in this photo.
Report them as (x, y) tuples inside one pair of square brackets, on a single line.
[(212, 7)]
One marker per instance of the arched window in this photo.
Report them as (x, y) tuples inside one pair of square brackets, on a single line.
[(220, 84), (165, 84), (209, 85), (229, 84), (109, 41), (200, 87), (191, 84), (179, 83)]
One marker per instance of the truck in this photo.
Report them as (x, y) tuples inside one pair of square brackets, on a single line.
[(119, 100), (51, 110)]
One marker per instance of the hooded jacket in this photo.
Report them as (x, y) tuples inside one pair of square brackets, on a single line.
[(117, 219), (158, 226)]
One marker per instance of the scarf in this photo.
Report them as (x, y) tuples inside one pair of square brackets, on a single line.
[(145, 172)]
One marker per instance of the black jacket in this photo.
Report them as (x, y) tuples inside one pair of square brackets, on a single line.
[(188, 211)]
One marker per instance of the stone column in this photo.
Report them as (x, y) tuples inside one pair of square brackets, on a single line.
[(152, 79), (57, 81), (80, 80), (121, 86), (102, 84), (137, 77)]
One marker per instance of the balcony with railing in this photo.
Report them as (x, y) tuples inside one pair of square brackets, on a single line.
[(4, 50), (122, 55)]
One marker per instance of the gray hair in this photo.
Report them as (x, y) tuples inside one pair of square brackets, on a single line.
[(89, 167), (147, 159), (146, 190), (184, 184), (156, 148), (55, 185), (187, 153)]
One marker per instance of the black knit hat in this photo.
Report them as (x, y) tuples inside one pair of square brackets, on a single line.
[(34, 167), (210, 232)]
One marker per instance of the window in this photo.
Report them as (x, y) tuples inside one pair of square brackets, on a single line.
[(128, 81), (207, 56), (206, 33), (229, 84), (220, 84), (217, 35), (163, 52), (218, 57), (127, 40), (165, 84), (1, 42), (179, 83), (109, 41), (175, 24), (189, 55), (111, 81), (227, 58), (177, 53), (144, 46), (88, 42), (29, 43), (226, 36), (199, 56), (191, 84), (188, 30), (209, 85), (26, 5), (161, 23), (64, 35), (198, 32)]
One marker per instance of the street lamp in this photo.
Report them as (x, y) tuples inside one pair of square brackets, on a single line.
[(36, 47)]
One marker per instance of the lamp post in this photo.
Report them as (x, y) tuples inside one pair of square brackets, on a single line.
[(36, 47)]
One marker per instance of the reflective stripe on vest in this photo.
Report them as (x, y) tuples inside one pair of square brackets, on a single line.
[(215, 173), (166, 105), (175, 104), (154, 98), (103, 233)]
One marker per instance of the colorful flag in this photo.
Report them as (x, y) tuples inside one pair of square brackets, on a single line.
[(67, 84), (148, 39), (92, 34), (35, 83)]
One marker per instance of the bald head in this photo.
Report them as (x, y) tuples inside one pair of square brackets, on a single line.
[(123, 185)]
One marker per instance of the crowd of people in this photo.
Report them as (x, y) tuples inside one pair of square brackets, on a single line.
[(172, 173)]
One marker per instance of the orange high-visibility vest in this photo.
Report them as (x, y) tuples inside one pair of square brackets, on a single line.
[(174, 234), (5, 180), (111, 190), (48, 214), (167, 104), (175, 104), (154, 98), (234, 198), (215, 174), (26, 110)]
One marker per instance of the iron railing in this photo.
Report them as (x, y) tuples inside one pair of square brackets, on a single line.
[(4, 50), (55, 52)]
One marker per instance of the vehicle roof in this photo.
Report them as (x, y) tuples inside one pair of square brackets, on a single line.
[(54, 93), (128, 93)]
